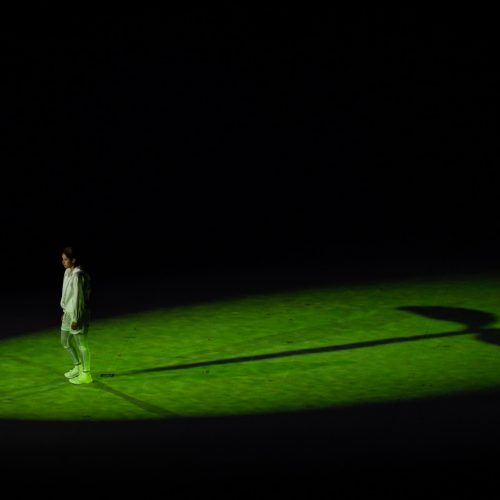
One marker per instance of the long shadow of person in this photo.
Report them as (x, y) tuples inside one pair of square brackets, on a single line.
[(473, 321)]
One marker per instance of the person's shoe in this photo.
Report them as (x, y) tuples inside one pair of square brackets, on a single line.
[(74, 372), (83, 378)]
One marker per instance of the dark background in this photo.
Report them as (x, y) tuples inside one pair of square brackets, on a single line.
[(203, 141), (188, 139)]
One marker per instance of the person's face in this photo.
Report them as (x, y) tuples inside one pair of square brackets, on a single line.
[(66, 262)]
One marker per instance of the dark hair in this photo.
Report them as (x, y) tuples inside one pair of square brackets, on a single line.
[(72, 253)]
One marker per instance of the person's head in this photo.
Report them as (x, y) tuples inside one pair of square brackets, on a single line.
[(70, 257)]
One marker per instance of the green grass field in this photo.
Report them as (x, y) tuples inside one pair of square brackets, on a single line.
[(308, 349)]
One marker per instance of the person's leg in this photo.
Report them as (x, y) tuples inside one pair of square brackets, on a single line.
[(81, 341), (68, 344)]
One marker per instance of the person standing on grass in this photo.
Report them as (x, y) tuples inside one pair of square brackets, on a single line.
[(76, 316)]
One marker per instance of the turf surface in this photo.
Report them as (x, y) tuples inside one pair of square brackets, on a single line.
[(314, 348)]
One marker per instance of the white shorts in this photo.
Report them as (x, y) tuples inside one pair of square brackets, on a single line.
[(83, 326)]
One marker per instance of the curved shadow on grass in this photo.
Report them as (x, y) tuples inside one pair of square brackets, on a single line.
[(470, 318), (474, 322)]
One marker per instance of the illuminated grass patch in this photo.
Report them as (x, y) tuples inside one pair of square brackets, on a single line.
[(308, 349)]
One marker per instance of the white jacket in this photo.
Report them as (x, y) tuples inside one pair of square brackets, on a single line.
[(76, 293)]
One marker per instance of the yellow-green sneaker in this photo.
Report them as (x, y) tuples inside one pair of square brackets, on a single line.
[(83, 378), (74, 372)]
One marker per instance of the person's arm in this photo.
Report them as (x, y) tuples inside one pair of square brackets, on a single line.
[(62, 303), (79, 301)]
